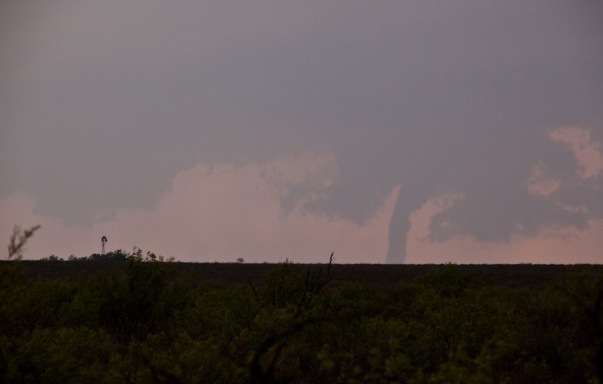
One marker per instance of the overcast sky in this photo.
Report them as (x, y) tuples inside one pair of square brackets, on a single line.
[(390, 131)]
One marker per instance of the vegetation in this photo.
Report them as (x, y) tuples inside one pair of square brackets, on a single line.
[(143, 321)]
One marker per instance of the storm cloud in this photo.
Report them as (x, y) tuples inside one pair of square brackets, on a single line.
[(499, 104)]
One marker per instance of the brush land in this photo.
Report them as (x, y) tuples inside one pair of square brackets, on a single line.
[(382, 275), (140, 319)]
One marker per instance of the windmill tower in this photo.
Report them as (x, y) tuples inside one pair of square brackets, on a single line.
[(103, 241)]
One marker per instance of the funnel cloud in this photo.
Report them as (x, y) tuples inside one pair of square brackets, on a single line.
[(495, 103)]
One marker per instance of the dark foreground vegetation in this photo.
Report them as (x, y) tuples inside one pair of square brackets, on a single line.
[(146, 320), (377, 275)]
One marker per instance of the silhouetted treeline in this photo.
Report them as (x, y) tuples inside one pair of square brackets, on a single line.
[(117, 255), (384, 275)]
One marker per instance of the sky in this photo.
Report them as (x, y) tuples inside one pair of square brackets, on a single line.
[(458, 131)]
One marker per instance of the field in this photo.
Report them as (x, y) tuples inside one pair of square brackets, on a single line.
[(381, 275), (140, 319)]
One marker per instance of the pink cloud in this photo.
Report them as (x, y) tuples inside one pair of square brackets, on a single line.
[(588, 153), (221, 213), (53, 238), (540, 183), (551, 246), (226, 211)]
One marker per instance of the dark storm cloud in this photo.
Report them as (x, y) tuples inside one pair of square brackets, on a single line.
[(105, 103)]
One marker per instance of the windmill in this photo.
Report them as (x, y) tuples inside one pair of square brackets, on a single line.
[(103, 241)]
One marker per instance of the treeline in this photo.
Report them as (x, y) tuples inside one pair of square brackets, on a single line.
[(145, 323), (380, 275), (117, 255)]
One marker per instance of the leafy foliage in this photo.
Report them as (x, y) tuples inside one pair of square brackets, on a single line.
[(18, 240), (142, 323)]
